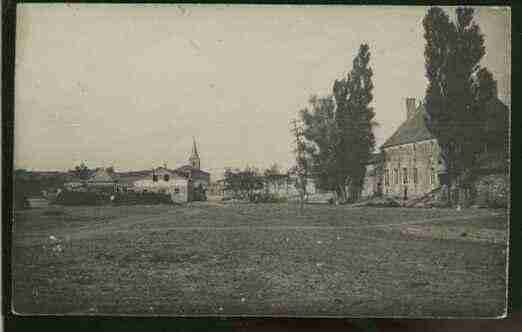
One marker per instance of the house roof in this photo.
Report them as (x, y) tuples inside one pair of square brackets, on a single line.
[(185, 169), (412, 130), (101, 175)]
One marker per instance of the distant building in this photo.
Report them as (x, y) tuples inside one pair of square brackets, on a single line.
[(102, 180), (217, 188), (193, 171), (282, 186), (185, 183), (164, 181)]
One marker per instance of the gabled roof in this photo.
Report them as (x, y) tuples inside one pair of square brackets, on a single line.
[(412, 130), (185, 169)]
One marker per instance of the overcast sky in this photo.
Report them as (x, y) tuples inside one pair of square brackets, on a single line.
[(129, 85)]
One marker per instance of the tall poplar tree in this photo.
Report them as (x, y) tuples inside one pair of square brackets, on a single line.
[(458, 88), (355, 121)]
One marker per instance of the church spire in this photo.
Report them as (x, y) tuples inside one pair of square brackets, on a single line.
[(194, 147), (194, 160)]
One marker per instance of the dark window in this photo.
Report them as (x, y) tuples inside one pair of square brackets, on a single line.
[(396, 176), (415, 176), (155, 178), (166, 177), (405, 175)]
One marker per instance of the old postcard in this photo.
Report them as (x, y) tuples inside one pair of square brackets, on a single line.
[(261, 160)]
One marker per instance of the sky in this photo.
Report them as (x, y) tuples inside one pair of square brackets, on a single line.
[(129, 86)]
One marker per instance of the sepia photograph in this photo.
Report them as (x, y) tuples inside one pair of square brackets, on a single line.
[(261, 160)]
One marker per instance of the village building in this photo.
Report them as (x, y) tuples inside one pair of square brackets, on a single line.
[(183, 184), (410, 164), (411, 156), (164, 181), (102, 180)]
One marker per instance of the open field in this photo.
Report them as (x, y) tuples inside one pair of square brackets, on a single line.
[(246, 259)]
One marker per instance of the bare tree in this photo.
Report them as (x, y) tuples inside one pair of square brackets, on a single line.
[(302, 168)]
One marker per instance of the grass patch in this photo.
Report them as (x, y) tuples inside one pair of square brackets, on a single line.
[(260, 259)]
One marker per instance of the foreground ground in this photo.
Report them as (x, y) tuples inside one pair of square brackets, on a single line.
[(210, 259)]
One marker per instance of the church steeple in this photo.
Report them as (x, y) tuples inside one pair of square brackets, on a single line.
[(194, 157)]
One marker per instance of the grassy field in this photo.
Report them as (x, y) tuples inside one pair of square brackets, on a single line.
[(245, 259)]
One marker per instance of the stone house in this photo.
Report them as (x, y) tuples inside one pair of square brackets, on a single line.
[(411, 157), (410, 163)]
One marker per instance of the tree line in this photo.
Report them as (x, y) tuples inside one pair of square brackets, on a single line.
[(252, 184)]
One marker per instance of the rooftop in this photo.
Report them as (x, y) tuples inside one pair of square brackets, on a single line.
[(412, 130)]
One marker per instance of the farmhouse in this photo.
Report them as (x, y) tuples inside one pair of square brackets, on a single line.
[(410, 163), (411, 156), (185, 183), (164, 181)]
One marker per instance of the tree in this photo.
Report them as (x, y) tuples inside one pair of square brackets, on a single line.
[(354, 119), (82, 171), (303, 165), (458, 90), (110, 170), (339, 130), (243, 184), (320, 133), (274, 169)]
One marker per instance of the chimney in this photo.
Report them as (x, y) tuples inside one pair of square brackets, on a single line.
[(411, 107)]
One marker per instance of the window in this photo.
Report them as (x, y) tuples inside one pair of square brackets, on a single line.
[(432, 176), (176, 191), (396, 176), (154, 178), (405, 176), (386, 177), (415, 176), (166, 177)]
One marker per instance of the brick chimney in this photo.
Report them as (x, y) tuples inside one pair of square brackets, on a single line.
[(411, 107)]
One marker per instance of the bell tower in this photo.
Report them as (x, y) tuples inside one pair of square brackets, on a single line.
[(194, 160)]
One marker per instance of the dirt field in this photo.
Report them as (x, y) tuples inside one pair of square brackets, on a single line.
[(211, 259)]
